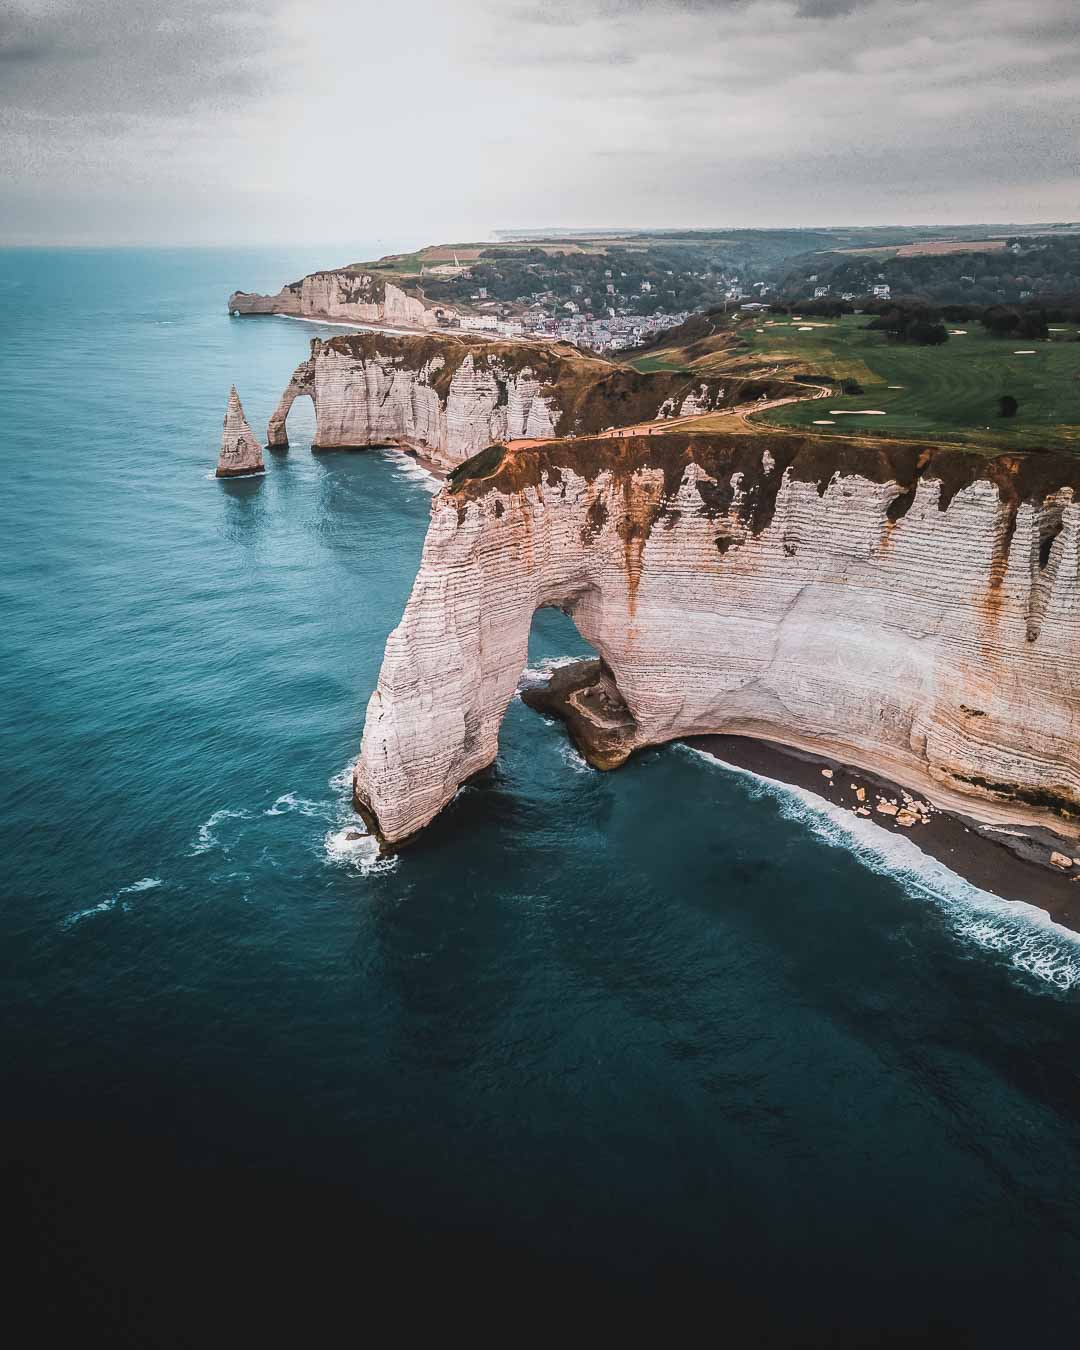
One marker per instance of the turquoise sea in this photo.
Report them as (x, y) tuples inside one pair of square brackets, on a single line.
[(671, 1033)]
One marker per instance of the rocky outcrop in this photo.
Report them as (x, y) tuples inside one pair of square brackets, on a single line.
[(449, 397), (241, 453), (344, 294), (913, 613)]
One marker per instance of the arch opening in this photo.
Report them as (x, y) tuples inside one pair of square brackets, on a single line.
[(277, 436), (577, 686), (302, 384)]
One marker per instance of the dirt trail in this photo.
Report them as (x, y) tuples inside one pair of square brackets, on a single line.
[(698, 422)]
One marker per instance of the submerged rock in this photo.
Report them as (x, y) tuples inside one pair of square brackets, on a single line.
[(240, 452)]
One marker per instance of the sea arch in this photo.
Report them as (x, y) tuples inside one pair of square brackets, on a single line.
[(301, 384)]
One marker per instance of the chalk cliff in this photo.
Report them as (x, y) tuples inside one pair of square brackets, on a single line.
[(911, 612), (343, 294), (449, 397), (240, 451)]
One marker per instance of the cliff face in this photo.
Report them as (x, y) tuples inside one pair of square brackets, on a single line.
[(450, 397), (241, 453), (913, 613), (358, 297)]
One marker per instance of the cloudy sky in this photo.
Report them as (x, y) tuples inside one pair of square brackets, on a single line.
[(284, 121)]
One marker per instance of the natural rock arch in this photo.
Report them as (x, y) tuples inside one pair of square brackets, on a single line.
[(302, 383)]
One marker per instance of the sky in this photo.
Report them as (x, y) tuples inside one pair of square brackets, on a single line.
[(288, 122)]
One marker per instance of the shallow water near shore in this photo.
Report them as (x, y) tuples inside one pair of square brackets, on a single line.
[(675, 1022)]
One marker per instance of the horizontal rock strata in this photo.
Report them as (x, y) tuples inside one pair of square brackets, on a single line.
[(241, 453), (449, 397), (913, 612)]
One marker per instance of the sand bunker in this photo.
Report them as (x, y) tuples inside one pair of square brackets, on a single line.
[(824, 422), (1028, 351), (857, 412), (958, 332), (896, 386)]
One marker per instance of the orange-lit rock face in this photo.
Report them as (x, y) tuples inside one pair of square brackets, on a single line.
[(913, 613)]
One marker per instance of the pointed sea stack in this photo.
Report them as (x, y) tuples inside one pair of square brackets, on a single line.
[(240, 452)]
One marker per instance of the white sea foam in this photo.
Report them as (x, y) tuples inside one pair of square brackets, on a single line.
[(206, 839), (353, 327), (347, 843), (406, 467), (533, 676), (351, 847), (361, 852), (289, 802), (1023, 934), (342, 780), (146, 884), (574, 758)]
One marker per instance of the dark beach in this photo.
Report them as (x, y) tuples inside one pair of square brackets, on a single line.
[(964, 846)]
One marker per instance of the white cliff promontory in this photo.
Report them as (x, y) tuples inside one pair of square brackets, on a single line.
[(915, 614), (356, 296), (241, 453), (448, 397)]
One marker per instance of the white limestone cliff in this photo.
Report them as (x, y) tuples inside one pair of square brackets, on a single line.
[(241, 453), (913, 615), (358, 297), (448, 397)]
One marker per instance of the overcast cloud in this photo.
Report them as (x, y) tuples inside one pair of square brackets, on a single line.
[(280, 121)]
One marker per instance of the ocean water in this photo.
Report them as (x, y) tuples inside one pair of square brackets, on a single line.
[(670, 1030)]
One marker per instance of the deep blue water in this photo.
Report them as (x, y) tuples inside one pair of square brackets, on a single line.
[(664, 1029)]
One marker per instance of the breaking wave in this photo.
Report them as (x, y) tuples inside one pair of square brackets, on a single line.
[(351, 847), (1021, 933), (146, 884), (406, 467), (350, 844)]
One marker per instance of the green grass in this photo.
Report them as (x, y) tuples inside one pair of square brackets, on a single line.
[(662, 361), (949, 393)]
